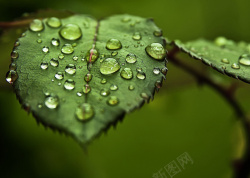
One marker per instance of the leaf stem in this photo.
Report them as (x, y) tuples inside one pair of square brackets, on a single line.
[(242, 170)]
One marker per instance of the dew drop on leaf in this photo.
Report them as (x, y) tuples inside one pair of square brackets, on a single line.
[(113, 44), (131, 58), (51, 102), (36, 25), (225, 60), (86, 89), (69, 84), (92, 55), (245, 59), (55, 42), (141, 75), (59, 75), (104, 92), (131, 87), (45, 49), (136, 36), (88, 77), (109, 66), (156, 51), (70, 32), (126, 73), (84, 112), (54, 62), (103, 81), (11, 76), (14, 54), (156, 71), (75, 58), (67, 49), (54, 22), (12, 66), (144, 96), (44, 65), (235, 66), (113, 87), (61, 56), (157, 33), (70, 69), (113, 100)]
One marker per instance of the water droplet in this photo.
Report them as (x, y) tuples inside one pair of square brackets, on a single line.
[(144, 96), (69, 84), (12, 66), (131, 58), (59, 75), (235, 66), (39, 41), (54, 22), (113, 44), (156, 71), (52, 102), (70, 69), (39, 106), (36, 25), (88, 77), (75, 58), (45, 49), (54, 62), (126, 73), (131, 87), (86, 89), (84, 112), (39, 34), (23, 34), (14, 54), (245, 59), (67, 49), (17, 43), (126, 19), (55, 42), (74, 44), (220, 41), (158, 33), (113, 87), (158, 84), (164, 70), (156, 51), (136, 36), (225, 60), (114, 53), (103, 81), (61, 56), (113, 100), (136, 46), (70, 32), (11, 76), (105, 92), (141, 75), (92, 55), (44, 65), (109, 66), (79, 93), (138, 69)]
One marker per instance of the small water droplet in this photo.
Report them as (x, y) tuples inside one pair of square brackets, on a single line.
[(220, 41), (103, 81), (12, 66), (14, 54), (61, 56), (113, 87), (70, 69), (17, 43), (52, 102), (86, 89), (113, 44), (109, 66), (105, 92), (156, 51), (141, 75), (225, 60), (235, 66), (79, 93), (36, 25), (54, 62), (54, 22), (164, 70), (126, 19), (39, 41), (144, 96), (70, 32), (67, 49), (23, 34), (84, 112), (55, 42), (69, 84), (39, 106), (245, 59), (114, 53), (88, 77), (59, 75), (158, 84), (74, 44), (75, 58), (11, 76), (44, 65), (158, 33), (131, 87), (136, 36), (59, 84), (45, 49), (92, 55), (112, 101), (156, 71), (138, 69), (126, 73), (131, 58)]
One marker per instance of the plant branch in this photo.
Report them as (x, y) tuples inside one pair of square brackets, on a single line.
[(243, 168), (15, 24)]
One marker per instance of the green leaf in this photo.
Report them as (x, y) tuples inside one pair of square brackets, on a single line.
[(225, 56), (82, 76)]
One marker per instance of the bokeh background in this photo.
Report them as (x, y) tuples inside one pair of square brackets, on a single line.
[(183, 118)]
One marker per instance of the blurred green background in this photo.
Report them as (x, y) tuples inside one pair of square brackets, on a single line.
[(182, 118)]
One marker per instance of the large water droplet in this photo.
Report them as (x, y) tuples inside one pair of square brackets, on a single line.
[(69, 84), (44, 65), (88, 77), (127, 73), (70, 32), (113, 100), (156, 51), (136, 36), (45, 49), (11, 76), (14, 54), (54, 62), (84, 112), (55, 42), (52, 102), (245, 59), (59, 75), (70, 69), (109, 66), (235, 66), (225, 60), (131, 58), (86, 89), (54, 22), (92, 55), (105, 92), (141, 75), (113, 44), (113, 87), (36, 25), (67, 49)]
